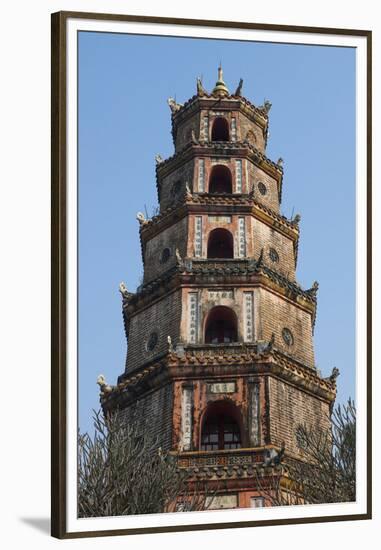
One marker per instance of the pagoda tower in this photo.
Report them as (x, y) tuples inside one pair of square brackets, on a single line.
[(220, 362)]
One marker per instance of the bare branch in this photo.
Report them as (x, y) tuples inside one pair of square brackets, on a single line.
[(123, 471)]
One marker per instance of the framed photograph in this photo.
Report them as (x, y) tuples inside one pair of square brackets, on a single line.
[(211, 260)]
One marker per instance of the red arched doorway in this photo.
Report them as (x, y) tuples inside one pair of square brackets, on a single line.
[(220, 180), (221, 427), (220, 129), (221, 326), (220, 244)]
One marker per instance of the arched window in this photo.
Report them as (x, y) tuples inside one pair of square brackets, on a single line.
[(220, 244), (220, 180), (220, 427), (221, 326), (220, 129)]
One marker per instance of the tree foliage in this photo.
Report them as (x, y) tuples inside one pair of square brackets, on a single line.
[(327, 471), (123, 471)]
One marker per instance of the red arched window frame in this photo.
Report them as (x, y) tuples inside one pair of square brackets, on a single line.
[(221, 428), (221, 326), (220, 129), (220, 244), (220, 180)]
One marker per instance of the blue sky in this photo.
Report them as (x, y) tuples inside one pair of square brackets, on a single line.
[(124, 120)]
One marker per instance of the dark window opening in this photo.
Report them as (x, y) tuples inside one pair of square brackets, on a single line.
[(287, 336), (176, 189), (165, 255), (262, 188), (274, 256), (220, 244), (152, 341), (220, 130), (221, 326), (220, 180)]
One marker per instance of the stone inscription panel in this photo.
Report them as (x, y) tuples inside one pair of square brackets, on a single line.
[(221, 502), (248, 317), (192, 317), (186, 418), (222, 387), (238, 176), (220, 219), (201, 176), (218, 294), (241, 238), (254, 416), (198, 237)]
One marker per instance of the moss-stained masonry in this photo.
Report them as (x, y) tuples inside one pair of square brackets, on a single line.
[(162, 317), (153, 412)]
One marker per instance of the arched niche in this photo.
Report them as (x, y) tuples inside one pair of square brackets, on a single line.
[(220, 180), (220, 244), (220, 129), (221, 326), (221, 427)]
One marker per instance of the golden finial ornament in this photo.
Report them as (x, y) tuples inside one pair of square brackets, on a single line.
[(220, 88)]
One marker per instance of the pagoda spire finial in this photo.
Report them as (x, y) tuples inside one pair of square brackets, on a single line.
[(220, 88), (220, 73)]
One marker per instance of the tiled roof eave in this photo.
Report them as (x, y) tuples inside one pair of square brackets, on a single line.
[(193, 269), (206, 146), (220, 201), (208, 97), (270, 361)]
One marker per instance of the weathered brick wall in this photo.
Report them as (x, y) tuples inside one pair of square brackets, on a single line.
[(246, 129), (247, 126), (228, 115), (238, 395), (214, 160), (251, 174), (153, 412), (271, 314), (162, 317), (265, 237), (183, 175), (212, 298), (257, 236), (233, 298), (184, 131), (228, 221), (275, 313), (172, 237), (270, 199), (290, 407), (202, 398)]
